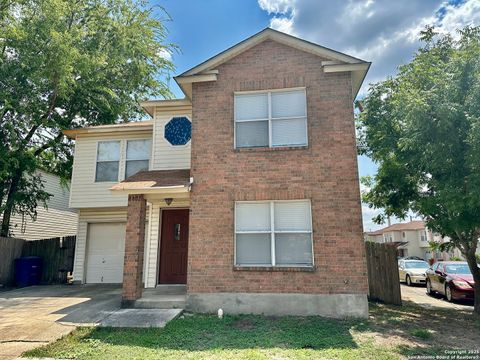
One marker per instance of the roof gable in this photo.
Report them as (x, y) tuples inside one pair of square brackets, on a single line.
[(338, 62), (270, 34)]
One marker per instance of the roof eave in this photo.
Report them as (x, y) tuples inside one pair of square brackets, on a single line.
[(358, 70), (72, 133), (176, 189), (150, 105), (185, 81)]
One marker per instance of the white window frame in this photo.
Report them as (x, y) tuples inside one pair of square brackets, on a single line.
[(122, 160), (126, 160), (423, 236), (270, 118), (97, 161), (272, 233)]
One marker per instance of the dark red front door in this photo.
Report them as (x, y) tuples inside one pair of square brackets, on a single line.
[(174, 247)]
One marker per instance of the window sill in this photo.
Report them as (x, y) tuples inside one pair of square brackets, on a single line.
[(267, 149), (276, 268)]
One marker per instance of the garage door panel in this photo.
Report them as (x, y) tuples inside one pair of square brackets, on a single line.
[(105, 253)]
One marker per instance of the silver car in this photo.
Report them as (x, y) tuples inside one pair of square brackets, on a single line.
[(412, 271)]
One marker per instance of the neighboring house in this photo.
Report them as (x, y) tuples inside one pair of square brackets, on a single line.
[(56, 220), (413, 239), (246, 190)]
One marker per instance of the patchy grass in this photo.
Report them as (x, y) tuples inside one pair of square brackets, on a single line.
[(421, 333), (387, 334)]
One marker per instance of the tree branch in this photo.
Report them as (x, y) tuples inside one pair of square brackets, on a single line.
[(48, 144), (47, 115)]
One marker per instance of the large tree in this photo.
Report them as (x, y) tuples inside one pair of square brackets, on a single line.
[(66, 64), (422, 128)]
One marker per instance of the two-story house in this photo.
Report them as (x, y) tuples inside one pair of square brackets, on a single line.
[(413, 238), (246, 191)]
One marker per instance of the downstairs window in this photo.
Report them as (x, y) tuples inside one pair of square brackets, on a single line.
[(273, 233)]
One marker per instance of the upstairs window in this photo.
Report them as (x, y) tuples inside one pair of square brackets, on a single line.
[(273, 233), (108, 160), (138, 156), (271, 119), (423, 236)]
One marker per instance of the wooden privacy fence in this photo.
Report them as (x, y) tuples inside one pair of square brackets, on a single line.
[(383, 278), (10, 249), (57, 255)]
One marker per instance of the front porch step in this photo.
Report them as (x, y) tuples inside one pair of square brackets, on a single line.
[(163, 297), (168, 289), (161, 302)]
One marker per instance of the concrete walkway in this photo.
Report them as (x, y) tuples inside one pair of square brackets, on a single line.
[(34, 316)]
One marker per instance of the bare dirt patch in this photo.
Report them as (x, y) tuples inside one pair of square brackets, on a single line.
[(409, 325)]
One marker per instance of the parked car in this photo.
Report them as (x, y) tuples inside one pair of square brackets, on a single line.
[(412, 271), (452, 279), (412, 258)]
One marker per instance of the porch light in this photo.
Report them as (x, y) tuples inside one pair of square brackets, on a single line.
[(168, 201)]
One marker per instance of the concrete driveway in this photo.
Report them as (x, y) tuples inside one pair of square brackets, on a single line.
[(34, 316), (418, 295)]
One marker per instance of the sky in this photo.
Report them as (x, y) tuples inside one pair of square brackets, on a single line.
[(384, 32)]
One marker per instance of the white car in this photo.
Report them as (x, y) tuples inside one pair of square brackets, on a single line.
[(413, 271)]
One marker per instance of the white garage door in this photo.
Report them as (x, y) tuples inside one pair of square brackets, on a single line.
[(105, 252)]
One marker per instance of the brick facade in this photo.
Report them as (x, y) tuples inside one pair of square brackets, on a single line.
[(325, 172), (134, 248)]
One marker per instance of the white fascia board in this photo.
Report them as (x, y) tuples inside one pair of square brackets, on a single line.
[(346, 67), (177, 189)]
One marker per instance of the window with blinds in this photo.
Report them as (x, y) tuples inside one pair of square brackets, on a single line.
[(108, 160), (273, 233), (137, 157), (271, 119)]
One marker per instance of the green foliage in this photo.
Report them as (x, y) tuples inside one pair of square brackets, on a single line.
[(422, 128), (67, 64), (386, 334)]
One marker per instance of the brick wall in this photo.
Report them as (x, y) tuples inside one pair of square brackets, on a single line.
[(134, 248), (325, 172)]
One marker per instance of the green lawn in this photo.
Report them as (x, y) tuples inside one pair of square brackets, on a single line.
[(390, 333)]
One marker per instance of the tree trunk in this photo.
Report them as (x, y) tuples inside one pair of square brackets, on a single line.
[(7, 214), (472, 264)]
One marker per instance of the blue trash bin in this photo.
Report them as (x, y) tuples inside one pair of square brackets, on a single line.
[(28, 270)]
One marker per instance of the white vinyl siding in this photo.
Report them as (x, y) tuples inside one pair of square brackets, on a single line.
[(165, 155), (49, 223), (60, 191), (271, 118), (138, 156), (85, 192), (54, 221), (273, 233)]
